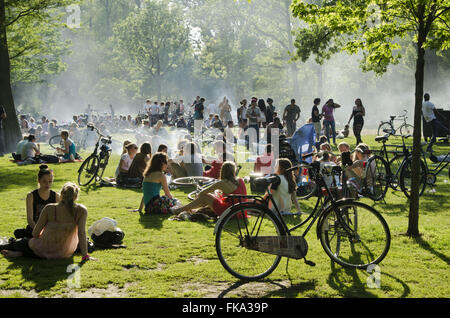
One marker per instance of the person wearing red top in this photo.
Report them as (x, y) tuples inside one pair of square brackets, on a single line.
[(214, 197), (216, 164), (264, 162)]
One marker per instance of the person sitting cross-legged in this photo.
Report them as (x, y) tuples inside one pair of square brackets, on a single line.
[(59, 229)]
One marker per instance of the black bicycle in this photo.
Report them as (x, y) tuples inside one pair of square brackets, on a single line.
[(398, 168), (251, 239), (94, 166)]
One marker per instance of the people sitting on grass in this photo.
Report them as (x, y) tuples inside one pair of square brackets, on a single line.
[(57, 232), (37, 200), (18, 154), (342, 147), (69, 151), (214, 196), (140, 161), (125, 161), (154, 181), (355, 172), (284, 192), (30, 150)]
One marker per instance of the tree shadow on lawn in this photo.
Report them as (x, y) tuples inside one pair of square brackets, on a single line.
[(43, 273), (17, 178), (426, 246), (339, 280)]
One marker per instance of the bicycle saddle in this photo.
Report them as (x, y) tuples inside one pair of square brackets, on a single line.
[(382, 138), (273, 180), (393, 117)]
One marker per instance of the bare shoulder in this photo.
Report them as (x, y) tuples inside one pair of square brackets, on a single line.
[(82, 209)]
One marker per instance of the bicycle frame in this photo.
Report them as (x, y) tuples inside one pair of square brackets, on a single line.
[(441, 166), (316, 213)]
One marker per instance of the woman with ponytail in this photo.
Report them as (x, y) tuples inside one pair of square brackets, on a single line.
[(37, 200), (284, 193), (57, 232)]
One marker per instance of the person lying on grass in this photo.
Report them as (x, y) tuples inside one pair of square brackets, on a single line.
[(59, 229), (154, 181), (37, 200), (214, 196)]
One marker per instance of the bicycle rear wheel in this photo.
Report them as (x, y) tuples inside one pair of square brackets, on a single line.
[(55, 142), (405, 178), (236, 235), (354, 234), (377, 177), (191, 181), (88, 171), (385, 128)]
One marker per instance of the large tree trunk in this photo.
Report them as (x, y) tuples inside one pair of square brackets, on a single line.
[(413, 220), (11, 124)]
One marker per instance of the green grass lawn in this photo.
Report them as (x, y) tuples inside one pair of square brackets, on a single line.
[(167, 258)]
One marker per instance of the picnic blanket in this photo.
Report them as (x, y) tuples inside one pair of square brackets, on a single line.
[(22, 163)]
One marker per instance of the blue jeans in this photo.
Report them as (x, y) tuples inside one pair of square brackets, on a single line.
[(330, 124)]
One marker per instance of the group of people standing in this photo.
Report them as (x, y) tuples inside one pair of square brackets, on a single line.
[(329, 124)]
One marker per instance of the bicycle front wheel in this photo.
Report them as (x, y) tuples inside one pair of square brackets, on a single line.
[(236, 242), (88, 171), (377, 178), (406, 175), (406, 129), (354, 235)]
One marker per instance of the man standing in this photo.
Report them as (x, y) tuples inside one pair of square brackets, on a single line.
[(290, 116), (2, 138), (154, 112), (430, 115), (315, 116), (199, 109), (253, 116)]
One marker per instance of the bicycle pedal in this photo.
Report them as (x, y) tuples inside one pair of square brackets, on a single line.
[(310, 263)]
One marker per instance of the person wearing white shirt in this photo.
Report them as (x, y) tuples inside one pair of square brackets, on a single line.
[(430, 113), (147, 106)]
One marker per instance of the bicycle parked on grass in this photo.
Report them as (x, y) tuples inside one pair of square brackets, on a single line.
[(387, 127), (94, 166), (251, 239)]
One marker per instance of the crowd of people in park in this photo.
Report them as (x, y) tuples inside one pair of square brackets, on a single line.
[(56, 223)]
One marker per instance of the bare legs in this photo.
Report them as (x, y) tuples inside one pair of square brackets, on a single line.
[(202, 200)]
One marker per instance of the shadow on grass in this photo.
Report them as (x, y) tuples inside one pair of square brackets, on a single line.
[(339, 280), (283, 291), (426, 246), (152, 221), (43, 273), (16, 178)]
